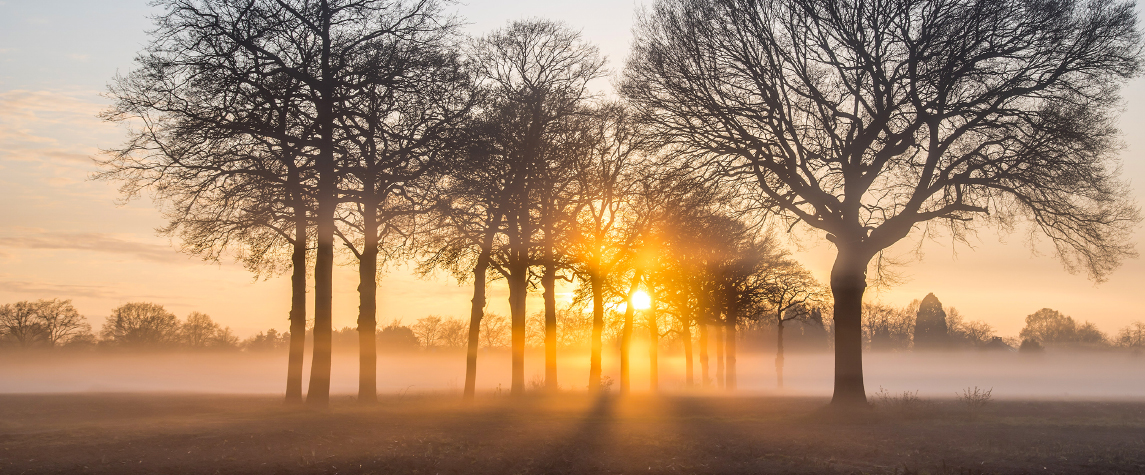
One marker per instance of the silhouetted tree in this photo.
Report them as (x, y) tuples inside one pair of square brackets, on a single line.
[(20, 324), (930, 329), (791, 292), (414, 96), (1132, 336), (888, 328), (396, 337), (225, 147), (1049, 326), (141, 325), (269, 340), (60, 321), (199, 331), (538, 71), (869, 121), (50, 322), (973, 333)]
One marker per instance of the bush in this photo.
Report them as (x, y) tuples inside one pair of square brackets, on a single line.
[(975, 399)]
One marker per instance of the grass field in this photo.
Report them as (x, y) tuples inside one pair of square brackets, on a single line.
[(569, 433)]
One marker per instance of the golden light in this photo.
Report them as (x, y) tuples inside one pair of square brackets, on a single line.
[(641, 300)]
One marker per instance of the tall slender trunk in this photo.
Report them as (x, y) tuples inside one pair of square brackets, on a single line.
[(318, 394), (689, 370), (597, 284), (477, 308), (730, 347), (626, 338), (297, 310), (549, 282), (719, 327), (848, 282), (653, 348), (368, 305), (518, 291), (779, 352), (705, 377), (518, 282), (476, 313)]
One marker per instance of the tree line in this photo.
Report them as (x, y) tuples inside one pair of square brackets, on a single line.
[(281, 131)]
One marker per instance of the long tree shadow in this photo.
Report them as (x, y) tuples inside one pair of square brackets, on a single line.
[(584, 449), (722, 438)]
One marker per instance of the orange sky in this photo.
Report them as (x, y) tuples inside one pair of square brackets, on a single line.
[(62, 235)]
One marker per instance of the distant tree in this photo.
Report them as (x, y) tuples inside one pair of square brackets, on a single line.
[(429, 330), (269, 340), (495, 331), (141, 325), (395, 337), (1030, 345), (792, 292), (199, 331), (930, 328), (60, 321), (974, 333), (1049, 326), (888, 328), (870, 121), (454, 333), (1132, 336), (19, 323)]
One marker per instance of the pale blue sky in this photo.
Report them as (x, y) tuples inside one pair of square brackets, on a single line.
[(62, 235)]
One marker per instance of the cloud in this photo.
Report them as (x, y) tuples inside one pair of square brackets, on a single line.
[(67, 290), (94, 242), (61, 126)]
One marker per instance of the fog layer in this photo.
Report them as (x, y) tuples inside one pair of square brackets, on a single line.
[(1064, 375)]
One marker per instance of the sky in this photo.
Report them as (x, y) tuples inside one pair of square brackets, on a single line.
[(64, 235)]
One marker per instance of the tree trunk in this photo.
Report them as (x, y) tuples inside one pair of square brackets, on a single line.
[(653, 348), (719, 355), (626, 338), (549, 282), (705, 377), (477, 310), (848, 282), (368, 307), (730, 348), (597, 329), (297, 312), (779, 352), (318, 395), (518, 283), (689, 370)]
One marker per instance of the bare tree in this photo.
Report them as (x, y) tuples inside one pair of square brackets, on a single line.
[(60, 321), (791, 292), (538, 71), (868, 121), (396, 127), (429, 330), (19, 323), (141, 325)]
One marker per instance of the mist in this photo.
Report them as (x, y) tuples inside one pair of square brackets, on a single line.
[(1055, 375)]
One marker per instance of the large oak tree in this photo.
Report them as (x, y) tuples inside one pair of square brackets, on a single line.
[(869, 119)]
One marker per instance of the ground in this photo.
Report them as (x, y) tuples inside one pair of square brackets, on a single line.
[(567, 433)]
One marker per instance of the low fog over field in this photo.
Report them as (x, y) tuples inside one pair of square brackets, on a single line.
[(1053, 375)]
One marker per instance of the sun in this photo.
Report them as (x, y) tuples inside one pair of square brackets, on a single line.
[(641, 300)]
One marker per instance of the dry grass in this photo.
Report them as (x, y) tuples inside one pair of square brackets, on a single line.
[(570, 433)]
